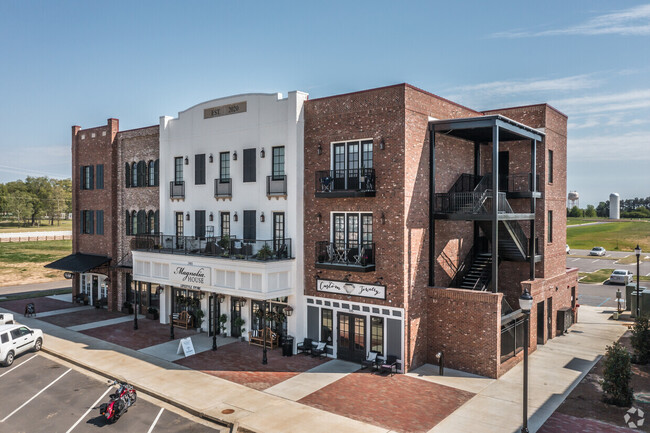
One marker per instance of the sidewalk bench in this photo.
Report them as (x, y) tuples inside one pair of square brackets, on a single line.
[(257, 337), (182, 320)]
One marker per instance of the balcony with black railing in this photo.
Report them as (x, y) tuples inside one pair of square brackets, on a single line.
[(177, 189), (358, 182), (223, 188), (225, 247), (349, 256), (276, 185)]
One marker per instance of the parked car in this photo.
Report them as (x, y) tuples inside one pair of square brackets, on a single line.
[(568, 250), (620, 276), (597, 251), (6, 319), (16, 339)]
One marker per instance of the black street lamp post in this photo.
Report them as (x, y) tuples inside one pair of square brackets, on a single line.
[(214, 322), (525, 303), (264, 361), (135, 313), (637, 251), (171, 316)]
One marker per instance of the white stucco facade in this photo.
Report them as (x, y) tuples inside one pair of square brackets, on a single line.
[(242, 124)]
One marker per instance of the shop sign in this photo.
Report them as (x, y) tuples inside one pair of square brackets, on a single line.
[(352, 289), (191, 275), (185, 347), (224, 110)]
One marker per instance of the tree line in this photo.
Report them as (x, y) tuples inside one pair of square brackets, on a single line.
[(630, 208), (30, 200)]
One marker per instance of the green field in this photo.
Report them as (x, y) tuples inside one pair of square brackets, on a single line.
[(22, 262), (614, 236), (44, 226)]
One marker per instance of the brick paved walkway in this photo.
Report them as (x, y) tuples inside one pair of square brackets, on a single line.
[(561, 423), (42, 305), (81, 317), (242, 363), (399, 403), (149, 333)]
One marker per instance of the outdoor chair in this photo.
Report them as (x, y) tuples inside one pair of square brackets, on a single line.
[(305, 346), (370, 361), (326, 184), (389, 365), (359, 259), (319, 350)]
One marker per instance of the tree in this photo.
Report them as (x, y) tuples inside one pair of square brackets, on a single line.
[(617, 376), (41, 189), (603, 209), (575, 212), (591, 211)]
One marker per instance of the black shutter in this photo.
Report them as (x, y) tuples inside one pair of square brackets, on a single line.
[(81, 177), (250, 165), (128, 223), (92, 222), (127, 176), (249, 225), (156, 217), (92, 177), (199, 169), (155, 171), (81, 221), (100, 222), (142, 173), (199, 223), (100, 176), (142, 221)]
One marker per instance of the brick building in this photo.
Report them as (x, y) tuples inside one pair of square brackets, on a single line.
[(405, 253), (113, 172)]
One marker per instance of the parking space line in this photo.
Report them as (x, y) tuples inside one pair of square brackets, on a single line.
[(601, 304), (37, 394), (575, 260), (594, 261), (15, 367), (156, 420), (90, 408)]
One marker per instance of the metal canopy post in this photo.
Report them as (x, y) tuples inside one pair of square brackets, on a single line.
[(533, 205), (432, 192), (495, 208)]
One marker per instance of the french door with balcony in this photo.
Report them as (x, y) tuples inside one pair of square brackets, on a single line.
[(349, 159)]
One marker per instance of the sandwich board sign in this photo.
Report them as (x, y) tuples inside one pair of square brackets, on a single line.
[(186, 347)]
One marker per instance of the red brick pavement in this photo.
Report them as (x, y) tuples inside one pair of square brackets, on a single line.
[(399, 403), (149, 333), (561, 423), (81, 317), (41, 304), (242, 363)]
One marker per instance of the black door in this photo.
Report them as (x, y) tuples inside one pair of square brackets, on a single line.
[(540, 322), (339, 167), (214, 311), (278, 232), (235, 312), (504, 165), (549, 317), (351, 338), (95, 288), (179, 230)]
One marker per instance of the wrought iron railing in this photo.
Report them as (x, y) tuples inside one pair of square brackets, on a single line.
[(516, 230), (465, 182), (512, 338), (276, 185), (348, 254), (225, 247), (177, 189), (520, 182), (223, 187), (348, 180)]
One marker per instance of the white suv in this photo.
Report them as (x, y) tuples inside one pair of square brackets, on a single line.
[(16, 339)]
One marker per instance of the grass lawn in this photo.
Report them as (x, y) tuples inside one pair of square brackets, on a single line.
[(573, 221), (615, 236), (44, 226), (22, 262), (601, 275)]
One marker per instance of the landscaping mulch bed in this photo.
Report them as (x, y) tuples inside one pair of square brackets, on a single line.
[(586, 402)]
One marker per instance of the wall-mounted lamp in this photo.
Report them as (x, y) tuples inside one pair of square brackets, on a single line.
[(221, 298), (107, 280), (160, 289), (211, 216), (382, 144), (210, 158), (201, 295), (320, 149), (383, 218), (262, 153), (242, 302), (288, 310), (347, 277), (187, 216), (187, 160), (235, 217), (262, 217), (379, 280), (234, 156), (319, 217)]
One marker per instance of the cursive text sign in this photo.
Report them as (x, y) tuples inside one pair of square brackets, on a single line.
[(190, 275), (352, 289), (224, 110)]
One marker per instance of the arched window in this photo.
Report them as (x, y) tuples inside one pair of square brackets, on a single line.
[(142, 221), (151, 222), (156, 171), (128, 222), (134, 223), (134, 175), (157, 220), (127, 175), (152, 174)]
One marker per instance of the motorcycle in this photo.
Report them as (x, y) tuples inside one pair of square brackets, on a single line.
[(119, 403)]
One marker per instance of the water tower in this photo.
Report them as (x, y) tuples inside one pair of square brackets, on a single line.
[(614, 206), (574, 199)]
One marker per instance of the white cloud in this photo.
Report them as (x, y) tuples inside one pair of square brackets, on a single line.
[(620, 147), (515, 87), (628, 22), (604, 103)]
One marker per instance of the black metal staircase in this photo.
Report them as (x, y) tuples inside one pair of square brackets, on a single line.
[(479, 275)]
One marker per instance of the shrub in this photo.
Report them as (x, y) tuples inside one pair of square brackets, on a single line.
[(641, 340), (617, 376)]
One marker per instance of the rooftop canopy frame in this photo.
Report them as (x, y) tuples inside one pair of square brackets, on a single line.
[(484, 130)]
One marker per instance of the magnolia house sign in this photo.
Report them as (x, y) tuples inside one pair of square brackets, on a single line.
[(352, 289), (191, 275)]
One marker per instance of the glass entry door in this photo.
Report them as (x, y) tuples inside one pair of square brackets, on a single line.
[(213, 315), (351, 337), (235, 312)]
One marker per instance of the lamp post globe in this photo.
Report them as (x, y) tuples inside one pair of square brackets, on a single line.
[(525, 303)]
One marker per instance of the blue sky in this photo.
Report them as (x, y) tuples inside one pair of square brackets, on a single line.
[(81, 62)]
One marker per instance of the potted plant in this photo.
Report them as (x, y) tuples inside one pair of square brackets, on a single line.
[(239, 323), (152, 313), (198, 316), (127, 308), (224, 242), (222, 323), (265, 252)]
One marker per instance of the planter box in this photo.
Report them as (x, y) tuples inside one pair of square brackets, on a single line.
[(127, 310), (152, 316)]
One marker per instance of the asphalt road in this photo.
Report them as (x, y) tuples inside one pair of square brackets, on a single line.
[(43, 394)]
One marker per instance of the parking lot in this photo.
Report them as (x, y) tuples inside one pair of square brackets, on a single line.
[(43, 394)]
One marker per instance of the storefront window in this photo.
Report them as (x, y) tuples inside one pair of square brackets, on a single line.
[(377, 334), (326, 325), (277, 307), (154, 297)]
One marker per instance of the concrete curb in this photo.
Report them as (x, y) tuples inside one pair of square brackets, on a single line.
[(232, 427)]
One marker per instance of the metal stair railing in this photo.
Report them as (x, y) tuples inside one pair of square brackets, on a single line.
[(516, 232), (463, 269)]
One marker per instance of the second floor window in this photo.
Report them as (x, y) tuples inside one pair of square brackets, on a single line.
[(224, 166), (550, 166), (178, 170), (87, 174), (199, 169), (550, 226), (278, 163), (351, 230), (86, 218), (134, 175)]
